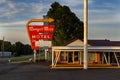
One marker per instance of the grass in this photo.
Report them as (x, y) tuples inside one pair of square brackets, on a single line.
[(39, 57), (15, 59), (26, 58), (21, 59)]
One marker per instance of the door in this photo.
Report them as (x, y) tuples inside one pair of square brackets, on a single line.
[(70, 57)]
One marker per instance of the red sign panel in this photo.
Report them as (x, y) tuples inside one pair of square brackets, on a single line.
[(41, 29), (40, 33), (41, 36)]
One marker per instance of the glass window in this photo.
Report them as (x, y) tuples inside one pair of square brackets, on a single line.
[(75, 56), (63, 56)]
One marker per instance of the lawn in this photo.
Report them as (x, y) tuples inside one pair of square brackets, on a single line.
[(25, 58)]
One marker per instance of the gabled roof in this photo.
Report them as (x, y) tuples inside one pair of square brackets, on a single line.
[(74, 42), (102, 42), (99, 42), (115, 43)]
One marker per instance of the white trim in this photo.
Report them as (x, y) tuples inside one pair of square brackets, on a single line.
[(89, 47)]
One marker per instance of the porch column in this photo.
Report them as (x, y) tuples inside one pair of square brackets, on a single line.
[(80, 58), (109, 57), (73, 57), (102, 58)]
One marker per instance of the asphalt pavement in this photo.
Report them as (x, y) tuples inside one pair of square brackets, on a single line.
[(42, 71)]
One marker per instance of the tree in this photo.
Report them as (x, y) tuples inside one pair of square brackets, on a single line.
[(67, 25), (27, 49), (13, 50), (19, 48), (7, 46)]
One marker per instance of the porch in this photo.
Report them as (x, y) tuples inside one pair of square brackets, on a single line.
[(72, 57), (78, 66)]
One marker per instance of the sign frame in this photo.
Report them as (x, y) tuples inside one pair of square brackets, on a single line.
[(37, 20)]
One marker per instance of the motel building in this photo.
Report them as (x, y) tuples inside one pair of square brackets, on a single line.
[(101, 53)]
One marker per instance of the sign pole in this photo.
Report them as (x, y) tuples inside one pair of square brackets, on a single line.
[(34, 56), (45, 54), (85, 34)]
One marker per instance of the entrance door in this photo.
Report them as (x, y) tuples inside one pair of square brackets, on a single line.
[(76, 54), (70, 57)]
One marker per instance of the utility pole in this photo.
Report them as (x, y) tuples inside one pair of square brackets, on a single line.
[(2, 47), (85, 34)]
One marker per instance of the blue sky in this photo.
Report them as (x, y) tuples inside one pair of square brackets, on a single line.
[(104, 17)]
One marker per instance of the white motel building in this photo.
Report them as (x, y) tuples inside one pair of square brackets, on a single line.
[(100, 52)]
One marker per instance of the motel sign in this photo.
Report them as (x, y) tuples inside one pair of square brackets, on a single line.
[(39, 32)]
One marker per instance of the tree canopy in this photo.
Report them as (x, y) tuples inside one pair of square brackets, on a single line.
[(17, 49), (67, 25)]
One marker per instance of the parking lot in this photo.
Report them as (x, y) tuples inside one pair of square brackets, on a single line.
[(42, 71)]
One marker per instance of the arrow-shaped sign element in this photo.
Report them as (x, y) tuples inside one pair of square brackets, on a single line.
[(41, 20)]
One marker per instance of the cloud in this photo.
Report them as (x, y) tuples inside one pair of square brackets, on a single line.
[(100, 32), (10, 14), (15, 34), (8, 24), (103, 16), (11, 5), (16, 13), (19, 10), (103, 13), (2, 1), (104, 21), (74, 3)]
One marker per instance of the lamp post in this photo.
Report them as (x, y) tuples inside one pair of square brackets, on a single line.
[(85, 34)]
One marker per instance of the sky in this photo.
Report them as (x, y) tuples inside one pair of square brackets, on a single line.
[(103, 17)]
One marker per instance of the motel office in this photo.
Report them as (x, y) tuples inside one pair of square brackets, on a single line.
[(99, 52)]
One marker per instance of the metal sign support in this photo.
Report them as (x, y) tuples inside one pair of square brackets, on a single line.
[(34, 56)]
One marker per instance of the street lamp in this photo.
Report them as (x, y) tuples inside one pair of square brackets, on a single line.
[(85, 34)]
